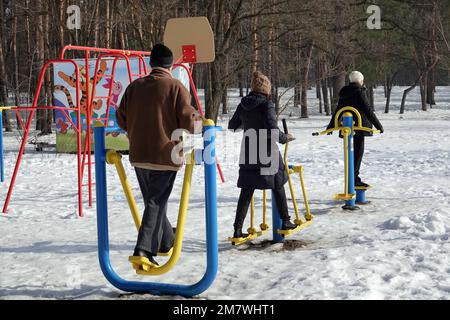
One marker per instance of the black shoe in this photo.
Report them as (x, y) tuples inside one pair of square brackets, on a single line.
[(288, 225), (146, 254), (165, 251), (359, 183), (238, 234)]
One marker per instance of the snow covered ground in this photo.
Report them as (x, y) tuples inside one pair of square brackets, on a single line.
[(396, 248)]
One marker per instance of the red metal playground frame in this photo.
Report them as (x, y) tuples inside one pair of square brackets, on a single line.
[(84, 159)]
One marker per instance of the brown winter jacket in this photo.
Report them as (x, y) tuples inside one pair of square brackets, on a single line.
[(151, 109)]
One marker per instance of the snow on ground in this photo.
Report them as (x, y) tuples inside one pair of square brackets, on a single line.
[(396, 248)]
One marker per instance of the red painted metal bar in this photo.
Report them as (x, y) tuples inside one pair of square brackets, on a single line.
[(193, 88), (20, 119), (27, 130), (141, 61), (197, 101), (118, 56), (43, 108), (88, 126), (71, 122), (100, 50)]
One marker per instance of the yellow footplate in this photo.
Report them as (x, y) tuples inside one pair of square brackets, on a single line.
[(363, 188), (285, 233), (165, 254), (239, 241), (141, 264), (344, 197)]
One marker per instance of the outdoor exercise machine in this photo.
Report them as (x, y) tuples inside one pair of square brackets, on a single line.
[(345, 125), (200, 50), (279, 235), (197, 157)]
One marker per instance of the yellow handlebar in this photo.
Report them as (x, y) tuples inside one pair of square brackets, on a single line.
[(358, 127)]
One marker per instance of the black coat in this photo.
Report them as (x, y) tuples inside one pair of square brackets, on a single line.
[(256, 112), (355, 96)]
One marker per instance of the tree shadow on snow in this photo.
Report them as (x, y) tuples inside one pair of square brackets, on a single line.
[(49, 247)]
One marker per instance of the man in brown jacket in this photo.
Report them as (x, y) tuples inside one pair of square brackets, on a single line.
[(151, 109)]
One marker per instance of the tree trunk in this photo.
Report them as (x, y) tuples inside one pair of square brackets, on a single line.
[(62, 10), (255, 42), (431, 88), (224, 102), (40, 114), (423, 92), (405, 94), (107, 23), (48, 83), (319, 95), (338, 84), (241, 85), (371, 97), (16, 67), (389, 86), (3, 74), (326, 100), (388, 98), (305, 81)]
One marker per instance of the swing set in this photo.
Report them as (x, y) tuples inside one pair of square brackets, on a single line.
[(83, 106)]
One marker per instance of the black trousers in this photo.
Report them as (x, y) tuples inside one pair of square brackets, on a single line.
[(156, 234), (358, 145), (245, 199)]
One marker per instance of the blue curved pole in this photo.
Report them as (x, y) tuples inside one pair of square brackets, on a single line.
[(348, 122), (211, 225), (276, 222)]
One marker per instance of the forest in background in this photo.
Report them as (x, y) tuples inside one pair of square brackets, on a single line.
[(298, 44)]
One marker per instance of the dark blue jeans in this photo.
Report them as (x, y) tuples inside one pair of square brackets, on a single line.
[(156, 234)]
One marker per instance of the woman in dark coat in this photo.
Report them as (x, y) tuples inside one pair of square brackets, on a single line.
[(256, 116)]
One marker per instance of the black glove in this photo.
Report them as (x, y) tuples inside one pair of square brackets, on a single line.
[(382, 130)]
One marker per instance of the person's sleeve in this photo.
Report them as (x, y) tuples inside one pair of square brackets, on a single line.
[(368, 111), (121, 112), (235, 123), (186, 114), (272, 124)]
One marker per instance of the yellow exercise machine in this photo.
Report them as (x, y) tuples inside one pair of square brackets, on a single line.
[(347, 129), (278, 234), (141, 264), (253, 233)]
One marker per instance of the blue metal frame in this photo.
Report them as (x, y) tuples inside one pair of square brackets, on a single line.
[(348, 123), (361, 197), (211, 225), (276, 222)]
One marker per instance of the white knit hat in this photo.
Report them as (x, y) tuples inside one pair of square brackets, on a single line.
[(356, 76)]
